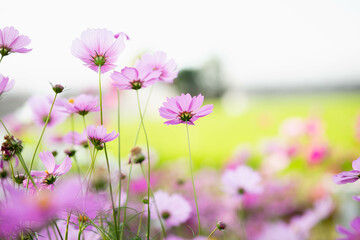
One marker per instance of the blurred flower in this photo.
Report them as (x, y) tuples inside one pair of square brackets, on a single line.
[(98, 48), (11, 42), (317, 153), (98, 136), (350, 235), (157, 62), (5, 84), (41, 107), (53, 171), (349, 176), (75, 138), (241, 180), (277, 231), (184, 109), (82, 104), (134, 78), (174, 209), (293, 127)]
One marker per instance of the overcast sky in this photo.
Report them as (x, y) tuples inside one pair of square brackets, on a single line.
[(261, 42)]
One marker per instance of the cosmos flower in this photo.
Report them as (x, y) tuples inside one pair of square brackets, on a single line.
[(350, 235), (41, 106), (242, 180), (134, 78), (99, 48), (349, 176), (158, 62), (82, 104), (53, 171), (184, 109), (98, 136), (174, 209), (5, 84), (11, 42)]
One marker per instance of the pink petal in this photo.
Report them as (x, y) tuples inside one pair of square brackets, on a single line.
[(64, 166), (356, 164), (48, 159)]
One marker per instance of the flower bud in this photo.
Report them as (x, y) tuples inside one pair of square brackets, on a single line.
[(19, 179), (145, 201), (136, 155), (57, 88), (221, 225), (70, 152)]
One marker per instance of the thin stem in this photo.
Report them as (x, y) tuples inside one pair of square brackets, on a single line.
[(58, 230), (1, 58), (192, 178), (148, 153), (2, 185), (52, 226), (141, 216), (42, 133), (5, 127), (47, 230), (67, 226), (73, 141), (242, 221), (12, 172), (107, 158), (119, 156), (156, 207), (126, 201), (91, 154), (212, 233)]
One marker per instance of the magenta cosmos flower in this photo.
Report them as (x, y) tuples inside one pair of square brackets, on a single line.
[(350, 235), (184, 109), (242, 180), (76, 138), (99, 48), (98, 136), (349, 176), (82, 104), (11, 42), (5, 84), (158, 62), (134, 78), (53, 171), (174, 209)]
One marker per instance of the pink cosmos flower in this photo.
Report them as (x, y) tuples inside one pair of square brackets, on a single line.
[(41, 106), (242, 180), (82, 104), (134, 78), (75, 138), (350, 235), (349, 176), (5, 84), (98, 136), (184, 109), (11, 42), (99, 48), (158, 62), (174, 209), (53, 171)]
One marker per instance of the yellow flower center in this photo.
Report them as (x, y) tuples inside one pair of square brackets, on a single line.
[(71, 100)]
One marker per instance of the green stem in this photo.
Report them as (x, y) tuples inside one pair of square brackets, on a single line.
[(107, 159), (42, 133), (91, 154), (12, 172), (126, 201), (52, 226), (1, 58), (67, 226), (119, 156), (5, 127), (156, 207), (58, 230), (192, 178), (141, 216), (148, 160), (212, 233)]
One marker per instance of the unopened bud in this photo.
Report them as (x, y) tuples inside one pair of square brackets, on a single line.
[(145, 201), (57, 88), (70, 152), (221, 225)]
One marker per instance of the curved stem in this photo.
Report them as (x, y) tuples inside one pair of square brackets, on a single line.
[(42, 134), (212, 233), (148, 153), (107, 159), (141, 216), (192, 178), (67, 226), (126, 201), (5, 127), (156, 207), (119, 156)]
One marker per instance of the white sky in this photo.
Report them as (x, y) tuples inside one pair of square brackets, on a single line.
[(261, 42)]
